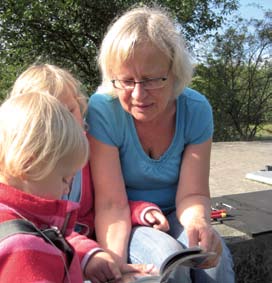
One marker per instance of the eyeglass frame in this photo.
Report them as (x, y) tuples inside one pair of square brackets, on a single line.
[(140, 82)]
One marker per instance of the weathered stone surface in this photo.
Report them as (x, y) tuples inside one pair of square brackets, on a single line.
[(230, 162)]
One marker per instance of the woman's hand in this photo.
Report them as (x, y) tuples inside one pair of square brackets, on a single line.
[(201, 233)]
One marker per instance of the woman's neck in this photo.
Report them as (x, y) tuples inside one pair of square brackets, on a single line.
[(156, 136)]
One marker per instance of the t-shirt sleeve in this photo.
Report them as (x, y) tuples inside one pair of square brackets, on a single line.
[(199, 127), (103, 120)]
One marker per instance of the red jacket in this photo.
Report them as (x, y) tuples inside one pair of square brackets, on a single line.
[(27, 258), (36, 260)]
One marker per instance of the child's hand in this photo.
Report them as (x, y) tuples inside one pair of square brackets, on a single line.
[(157, 220), (133, 271), (102, 268)]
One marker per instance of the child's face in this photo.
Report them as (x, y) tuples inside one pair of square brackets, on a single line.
[(57, 183), (69, 99)]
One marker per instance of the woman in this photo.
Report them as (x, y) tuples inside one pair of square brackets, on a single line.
[(150, 139)]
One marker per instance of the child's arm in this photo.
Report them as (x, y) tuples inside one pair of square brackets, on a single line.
[(96, 264), (148, 214), (101, 267)]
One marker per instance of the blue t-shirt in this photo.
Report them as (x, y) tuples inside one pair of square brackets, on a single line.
[(145, 178)]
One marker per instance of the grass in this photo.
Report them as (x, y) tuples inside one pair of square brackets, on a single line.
[(264, 132)]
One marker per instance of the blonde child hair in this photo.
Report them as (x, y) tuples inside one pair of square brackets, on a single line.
[(52, 79), (37, 131)]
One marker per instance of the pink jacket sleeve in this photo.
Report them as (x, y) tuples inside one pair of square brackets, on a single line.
[(27, 258), (83, 246), (86, 210), (138, 210)]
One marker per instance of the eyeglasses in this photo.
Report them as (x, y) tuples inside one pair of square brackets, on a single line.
[(148, 84)]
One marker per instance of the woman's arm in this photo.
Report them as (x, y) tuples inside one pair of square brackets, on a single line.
[(193, 198), (112, 212)]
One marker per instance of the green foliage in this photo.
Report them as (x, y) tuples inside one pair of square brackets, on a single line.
[(237, 77), (69, 32)]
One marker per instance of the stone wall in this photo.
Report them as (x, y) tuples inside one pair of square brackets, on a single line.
[(253, 259)]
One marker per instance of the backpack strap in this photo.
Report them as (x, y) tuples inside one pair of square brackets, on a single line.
[(52, 235), (15, 226)]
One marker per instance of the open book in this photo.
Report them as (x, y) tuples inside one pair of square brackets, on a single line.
[(190, 257)]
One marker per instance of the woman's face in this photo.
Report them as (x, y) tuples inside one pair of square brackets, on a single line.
[(145, 105)]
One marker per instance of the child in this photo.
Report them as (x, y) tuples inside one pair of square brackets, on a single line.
[(38, 139), (61, 84)]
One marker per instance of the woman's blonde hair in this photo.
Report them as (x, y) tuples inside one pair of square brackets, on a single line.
[(37, 132), (52, 79), (138, 27)]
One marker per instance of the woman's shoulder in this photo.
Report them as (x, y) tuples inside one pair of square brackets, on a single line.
[(195, 107), (106, 118), (193, 101), (104, 102), (102, 98), (106, 106), (193, 96)]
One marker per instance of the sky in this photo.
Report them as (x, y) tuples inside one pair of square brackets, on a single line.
[(248, 10)]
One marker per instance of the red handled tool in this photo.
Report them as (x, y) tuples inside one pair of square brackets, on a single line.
[(218, 213)]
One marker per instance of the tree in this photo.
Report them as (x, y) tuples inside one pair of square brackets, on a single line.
[(69, 32), (237, 76)]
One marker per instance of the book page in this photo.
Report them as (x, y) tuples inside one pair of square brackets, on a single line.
[(190, 257)]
